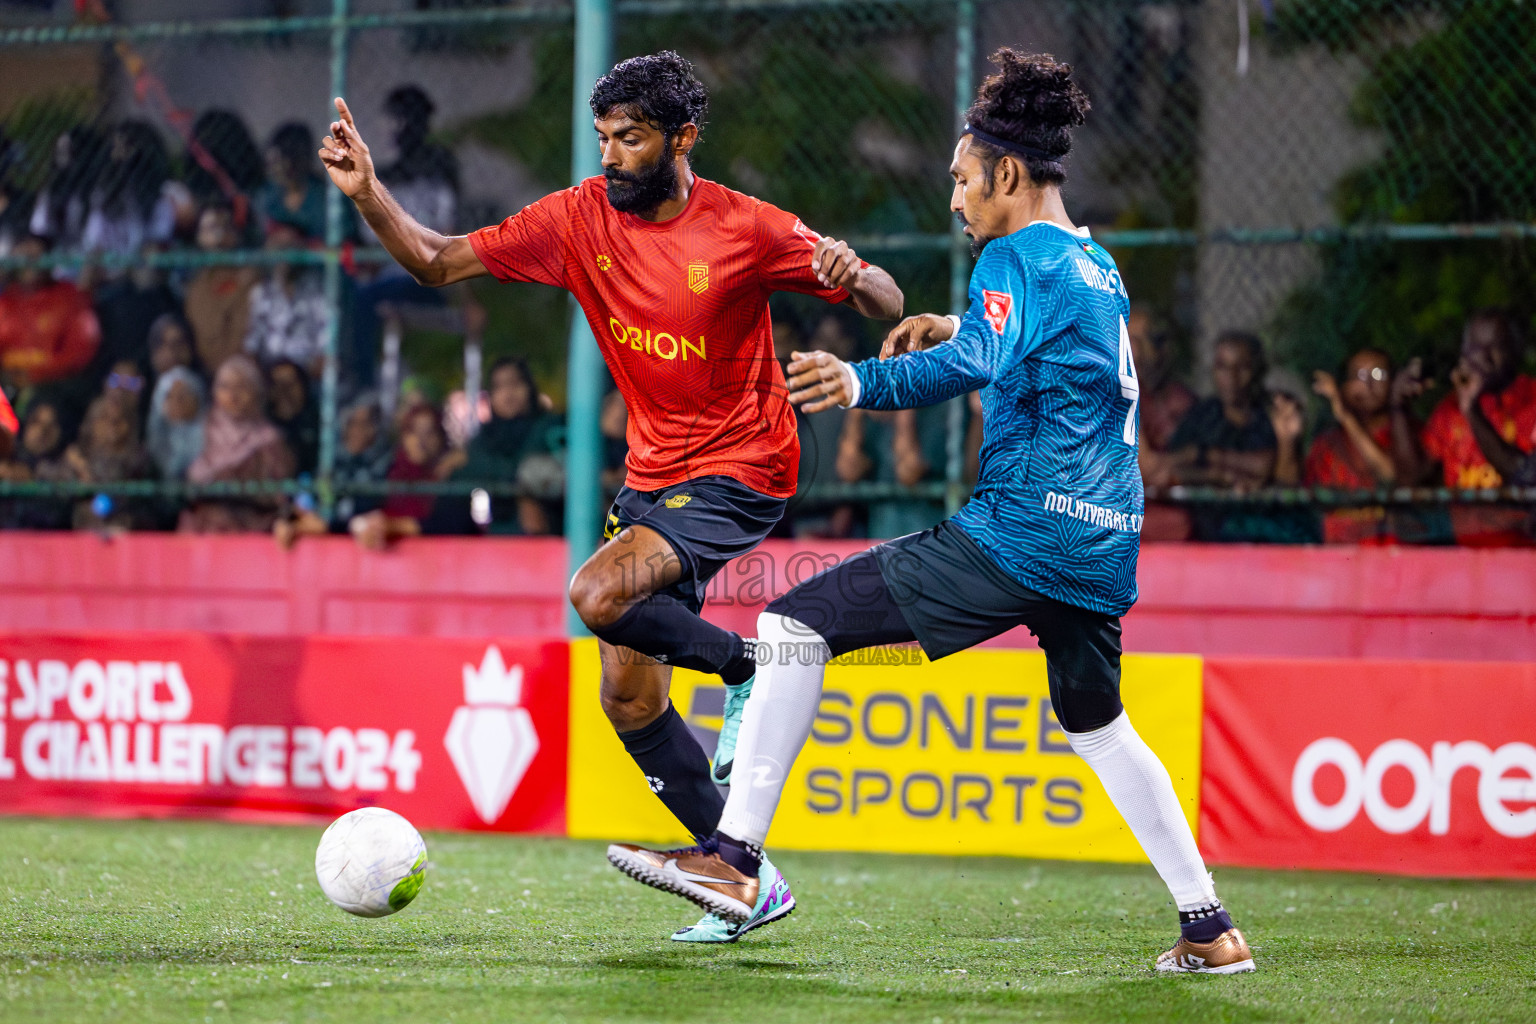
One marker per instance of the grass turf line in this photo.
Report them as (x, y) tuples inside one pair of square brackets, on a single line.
[(150, 921)]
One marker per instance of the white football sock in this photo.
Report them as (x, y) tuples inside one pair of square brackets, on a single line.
[(775, 725), (1139, 787)]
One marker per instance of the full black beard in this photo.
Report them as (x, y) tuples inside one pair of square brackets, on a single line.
[(642, 193)]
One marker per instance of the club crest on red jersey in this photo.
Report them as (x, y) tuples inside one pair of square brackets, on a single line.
[(996, 306), (698, 277)]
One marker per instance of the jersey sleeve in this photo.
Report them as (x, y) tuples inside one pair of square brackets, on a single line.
[(1000, 328), (784, 246), (530, 244)]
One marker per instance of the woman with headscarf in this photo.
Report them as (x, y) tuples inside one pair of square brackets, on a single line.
[(239, 443), (177, 412), (363, 455)]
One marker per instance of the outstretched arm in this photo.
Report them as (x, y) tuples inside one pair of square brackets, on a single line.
[(432, 259)]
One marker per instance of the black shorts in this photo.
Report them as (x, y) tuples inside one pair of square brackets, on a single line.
[(708, 521), (938, 588)]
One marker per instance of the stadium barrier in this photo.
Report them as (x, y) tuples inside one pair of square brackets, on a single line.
[(1413, 768), (1230, 600), (908, 756), (1402, 767), (451, 733)]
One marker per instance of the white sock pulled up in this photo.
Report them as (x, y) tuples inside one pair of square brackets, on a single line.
[(1141, 790), (775, 725)]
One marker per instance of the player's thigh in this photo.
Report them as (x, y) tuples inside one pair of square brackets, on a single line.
[(634, 688), (849, 606), (1082, 664)]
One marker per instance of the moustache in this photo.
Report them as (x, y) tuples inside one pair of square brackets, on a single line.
[(614, 174)]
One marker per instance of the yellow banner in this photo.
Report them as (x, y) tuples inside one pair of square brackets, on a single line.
[(962, 756)]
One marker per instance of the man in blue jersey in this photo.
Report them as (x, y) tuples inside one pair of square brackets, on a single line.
[(1049, 540)]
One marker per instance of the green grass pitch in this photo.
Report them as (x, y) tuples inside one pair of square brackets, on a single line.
[(184, 921)]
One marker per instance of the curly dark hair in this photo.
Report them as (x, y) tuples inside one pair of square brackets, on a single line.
[(1033, 101), (658, 88)]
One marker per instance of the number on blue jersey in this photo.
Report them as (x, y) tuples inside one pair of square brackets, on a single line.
[(1130, 387)]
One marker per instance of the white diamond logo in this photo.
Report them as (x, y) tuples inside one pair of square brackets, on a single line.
[(491, 739)]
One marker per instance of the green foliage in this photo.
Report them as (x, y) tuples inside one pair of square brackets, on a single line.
[(1451, 91), (35, 122)]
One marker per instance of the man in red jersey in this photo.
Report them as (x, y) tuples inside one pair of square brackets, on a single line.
[(674, 274)]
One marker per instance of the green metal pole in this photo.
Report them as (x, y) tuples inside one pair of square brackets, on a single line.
[(333, 282), (959, 258), (584, 365)]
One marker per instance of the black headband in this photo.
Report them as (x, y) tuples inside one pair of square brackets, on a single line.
[(1016, 147)]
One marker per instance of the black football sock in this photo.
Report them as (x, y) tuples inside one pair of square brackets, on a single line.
[(1204, 924), (664, 628), (677, 771), (744, 857)]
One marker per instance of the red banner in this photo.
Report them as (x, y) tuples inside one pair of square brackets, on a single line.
[(450, 733), (1423, 768)]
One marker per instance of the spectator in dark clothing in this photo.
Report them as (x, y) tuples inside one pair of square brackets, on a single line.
[(1227, 440), (128, 307), (364, 455), (613, 424), (295, 189), (15, 200), (424, 180), (223, 137), (63, 203), (129, 207), (170, 345), (37, 455), (292, 407), (518, 444)]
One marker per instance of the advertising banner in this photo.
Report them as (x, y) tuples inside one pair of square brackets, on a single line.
[(450, 733), (962, 756), (1421, 768)]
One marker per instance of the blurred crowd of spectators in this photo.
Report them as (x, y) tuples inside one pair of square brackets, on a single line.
[(124, 372)]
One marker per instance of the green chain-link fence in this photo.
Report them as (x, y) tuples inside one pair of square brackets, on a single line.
[(1331, 175)]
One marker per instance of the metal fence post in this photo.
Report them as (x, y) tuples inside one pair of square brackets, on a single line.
[(333, 280), (584, 369), (959, 259)]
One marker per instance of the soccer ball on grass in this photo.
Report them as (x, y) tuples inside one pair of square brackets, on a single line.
[(371, 862)]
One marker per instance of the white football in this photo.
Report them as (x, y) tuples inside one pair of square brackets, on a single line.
[(371, 862)]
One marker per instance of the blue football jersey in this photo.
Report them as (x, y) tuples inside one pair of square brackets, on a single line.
[(1058, 503)]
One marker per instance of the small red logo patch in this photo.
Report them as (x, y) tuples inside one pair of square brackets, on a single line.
[(996, 306)]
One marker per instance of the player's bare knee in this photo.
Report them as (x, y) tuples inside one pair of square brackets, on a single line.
[(630, 711), (596, 599)]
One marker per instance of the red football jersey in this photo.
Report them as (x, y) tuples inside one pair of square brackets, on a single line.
[(680, 310)]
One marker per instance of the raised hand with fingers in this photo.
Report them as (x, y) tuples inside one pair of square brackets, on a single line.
[(1469, 384), (1408, 384), (819, 380), (916, 333), (346, 156)]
